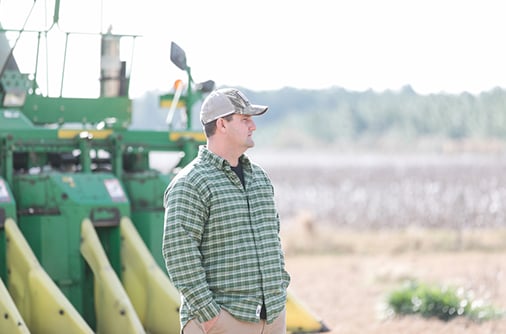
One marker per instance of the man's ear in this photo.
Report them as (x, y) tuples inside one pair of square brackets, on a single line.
[(220, 124)]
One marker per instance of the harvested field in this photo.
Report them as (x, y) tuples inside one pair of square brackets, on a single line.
[(348, 291), (356, 227), (391, 191)]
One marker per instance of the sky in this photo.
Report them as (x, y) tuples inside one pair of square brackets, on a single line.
[(433, 45)]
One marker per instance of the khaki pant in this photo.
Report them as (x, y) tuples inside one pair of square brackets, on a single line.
[(227, 324)]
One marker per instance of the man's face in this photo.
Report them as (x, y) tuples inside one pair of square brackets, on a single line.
[(240, 131)]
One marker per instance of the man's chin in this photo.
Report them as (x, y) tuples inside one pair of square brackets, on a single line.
[(250, 143)]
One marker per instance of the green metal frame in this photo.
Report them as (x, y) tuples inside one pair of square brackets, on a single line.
[(7, 210), (56, 156), (46, 110)]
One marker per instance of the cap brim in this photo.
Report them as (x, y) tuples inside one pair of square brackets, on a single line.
[(255, 110)]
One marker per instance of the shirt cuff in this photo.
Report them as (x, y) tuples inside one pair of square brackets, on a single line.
[(208, 312)]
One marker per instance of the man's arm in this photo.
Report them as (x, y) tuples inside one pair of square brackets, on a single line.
[(185, 217)]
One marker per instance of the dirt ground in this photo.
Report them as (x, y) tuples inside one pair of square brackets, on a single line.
[(348, 291)]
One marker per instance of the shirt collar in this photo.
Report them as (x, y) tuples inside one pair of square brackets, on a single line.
[(206, 155)]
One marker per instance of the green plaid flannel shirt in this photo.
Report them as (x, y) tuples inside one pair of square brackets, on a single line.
[(221, 241)]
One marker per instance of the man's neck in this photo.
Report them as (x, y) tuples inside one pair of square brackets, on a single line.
[(231, 157)]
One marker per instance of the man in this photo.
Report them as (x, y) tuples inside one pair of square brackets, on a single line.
[(221, 236)]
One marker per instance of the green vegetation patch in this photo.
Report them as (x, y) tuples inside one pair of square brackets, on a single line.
[(442, 302)]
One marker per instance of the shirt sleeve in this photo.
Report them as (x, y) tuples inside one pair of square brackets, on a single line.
[(285, 275), (185, 217)]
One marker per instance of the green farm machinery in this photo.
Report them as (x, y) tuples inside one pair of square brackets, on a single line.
[(81, 214)]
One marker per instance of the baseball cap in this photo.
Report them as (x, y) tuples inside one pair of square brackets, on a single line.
[(227, 101)]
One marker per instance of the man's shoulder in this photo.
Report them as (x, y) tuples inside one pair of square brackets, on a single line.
[(258, 170), (196, 169), (189, 181)]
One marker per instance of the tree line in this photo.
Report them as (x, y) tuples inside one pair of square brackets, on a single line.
[(338, 115)]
